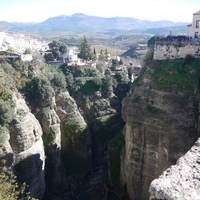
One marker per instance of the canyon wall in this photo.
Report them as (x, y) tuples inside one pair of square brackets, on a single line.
[(161, 125), (27, 146)]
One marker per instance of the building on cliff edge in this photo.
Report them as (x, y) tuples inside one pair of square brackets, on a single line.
[(194, 28), (173, 47)]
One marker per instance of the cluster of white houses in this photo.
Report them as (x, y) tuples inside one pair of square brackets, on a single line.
[(19, 43), (15, 45)]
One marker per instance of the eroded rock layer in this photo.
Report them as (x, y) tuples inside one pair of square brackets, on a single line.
[(160, 128)]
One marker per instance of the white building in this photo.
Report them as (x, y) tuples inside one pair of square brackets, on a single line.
[(20, 43), (2, 35), (194, 28), (71, 55)]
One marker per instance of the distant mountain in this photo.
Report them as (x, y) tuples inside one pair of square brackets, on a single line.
[(84, 23)]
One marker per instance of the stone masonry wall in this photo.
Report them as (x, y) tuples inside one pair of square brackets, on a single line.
[(173, 50)]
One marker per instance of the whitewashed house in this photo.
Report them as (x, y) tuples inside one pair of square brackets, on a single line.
[(2, 35), (20, 43), (71, 55), (194, 28), (8, 41)]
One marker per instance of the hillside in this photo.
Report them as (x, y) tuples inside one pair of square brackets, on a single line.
[(84, 23)]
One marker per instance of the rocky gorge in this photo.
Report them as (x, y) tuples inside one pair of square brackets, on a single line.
[(74, 133), (54, 143)]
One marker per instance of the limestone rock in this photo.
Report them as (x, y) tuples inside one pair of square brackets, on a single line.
[(27, 145), (180, 181), (50, 123), (75, 136), (67, 109), (160, 128), (6, 152)]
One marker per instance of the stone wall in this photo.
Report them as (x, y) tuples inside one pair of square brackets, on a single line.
[(172, 50)]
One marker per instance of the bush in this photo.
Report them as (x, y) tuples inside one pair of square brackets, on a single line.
[(58, 82), (10, 189), (189, 59), (39, 90), (176, 75), (6, 94), (6, 113)]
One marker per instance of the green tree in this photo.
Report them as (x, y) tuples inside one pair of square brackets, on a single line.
[(48, 57), (10, 189), (115, 62), (106, 54), (27, 51), (95, 54), (10, 49), (57, 48), (85, 50), (63, 48), (6, 113), (94, 51), (101, 56), (120, 62)]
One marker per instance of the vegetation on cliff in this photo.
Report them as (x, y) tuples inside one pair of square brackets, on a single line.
[(114, 150), (162, 118), (177, 75), (10, 188), (98, 98)]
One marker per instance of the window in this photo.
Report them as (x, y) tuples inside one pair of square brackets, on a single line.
[(196, 35), (197, 23)]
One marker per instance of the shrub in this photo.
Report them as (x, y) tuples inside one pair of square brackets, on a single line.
[(21, 112), (6, 94), (154, 110), (189, 59), (10, 188), (27, 51), (6, 113), (58, 82), (39, 90), (136, 99)]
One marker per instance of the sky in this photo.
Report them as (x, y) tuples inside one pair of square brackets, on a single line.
[(153, 10)]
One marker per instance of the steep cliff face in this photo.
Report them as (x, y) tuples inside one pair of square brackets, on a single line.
[(50, 123), (27, 146), (76, 138), (53, 140), (161, 125), (67, 144)]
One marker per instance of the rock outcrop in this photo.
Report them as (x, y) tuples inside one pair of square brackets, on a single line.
[(180, 181), (75, 135), (160, 128), (50, 123), (27, 146), (6, 152)]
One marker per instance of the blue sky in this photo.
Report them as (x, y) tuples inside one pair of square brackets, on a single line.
[(40, 10)]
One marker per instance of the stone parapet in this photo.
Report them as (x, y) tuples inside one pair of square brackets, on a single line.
[(172, 50)]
